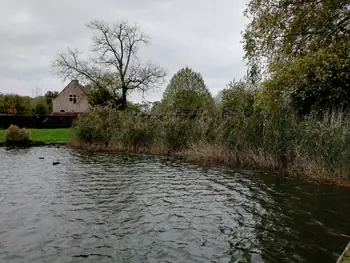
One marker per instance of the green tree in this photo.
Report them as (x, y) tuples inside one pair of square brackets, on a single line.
[(39, 106), (114, 63), (134, 107), (318, 81), (3, 107), (13, 103), (49, 97), (101, 96), (156, 107), (305, 46), (237, 99), (280, 30), (41, 109), (187, 93), (23, 105)]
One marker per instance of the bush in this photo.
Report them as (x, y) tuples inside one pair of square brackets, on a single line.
[(177, 135), (92, 128), (16, 136), (133, 130)]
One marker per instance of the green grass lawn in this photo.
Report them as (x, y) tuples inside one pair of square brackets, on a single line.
[(46, 135)]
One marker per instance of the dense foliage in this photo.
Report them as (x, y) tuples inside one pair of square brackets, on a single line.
[(279, 141), (236, 99), (25, 105), (304, 47), (281, 30), (49, 97), (187, 93), (101, 96)]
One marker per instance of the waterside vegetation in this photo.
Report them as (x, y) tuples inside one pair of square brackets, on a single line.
[(290, 112), (316, 149)]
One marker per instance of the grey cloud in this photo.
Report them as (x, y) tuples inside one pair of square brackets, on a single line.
[(202, 34)]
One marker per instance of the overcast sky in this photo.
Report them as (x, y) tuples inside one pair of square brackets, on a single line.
[(203, 34)]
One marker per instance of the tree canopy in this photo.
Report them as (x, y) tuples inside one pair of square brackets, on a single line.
[(49, 97), (187, 92), (102, 96), (304, 48), (236, 99), (280, 30), (25, 105)]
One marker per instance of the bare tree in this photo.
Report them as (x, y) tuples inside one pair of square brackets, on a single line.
[(114, 62)]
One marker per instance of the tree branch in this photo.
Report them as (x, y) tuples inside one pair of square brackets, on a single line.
[(115, 64)]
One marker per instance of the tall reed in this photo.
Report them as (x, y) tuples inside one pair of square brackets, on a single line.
[(312, 147)]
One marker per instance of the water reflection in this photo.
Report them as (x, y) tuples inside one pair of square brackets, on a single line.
[(113, 208)]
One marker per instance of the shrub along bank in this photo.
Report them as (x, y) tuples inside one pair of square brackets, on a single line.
[(313, 148), (15, 136)]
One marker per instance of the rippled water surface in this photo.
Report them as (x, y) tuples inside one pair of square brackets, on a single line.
[(114, 208)]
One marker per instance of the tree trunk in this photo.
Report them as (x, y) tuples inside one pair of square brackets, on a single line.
[(123, 99)]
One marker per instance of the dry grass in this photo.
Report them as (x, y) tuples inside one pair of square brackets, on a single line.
[(315, 170), (216, 155), (313, 149)]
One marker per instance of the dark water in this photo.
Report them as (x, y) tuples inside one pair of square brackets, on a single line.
[(107, 208)]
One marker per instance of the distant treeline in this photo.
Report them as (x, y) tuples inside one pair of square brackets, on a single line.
[(24, 105)]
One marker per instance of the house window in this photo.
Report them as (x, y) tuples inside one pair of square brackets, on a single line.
[(73, 98)]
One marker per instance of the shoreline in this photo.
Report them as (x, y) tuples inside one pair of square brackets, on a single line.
[(233, 160), (36, 144)]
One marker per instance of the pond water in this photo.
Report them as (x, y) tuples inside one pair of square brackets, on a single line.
[(115, 208)]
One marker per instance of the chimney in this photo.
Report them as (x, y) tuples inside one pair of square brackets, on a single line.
[(75, 82)]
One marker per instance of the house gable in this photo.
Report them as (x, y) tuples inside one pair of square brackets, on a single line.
[(73, 98)]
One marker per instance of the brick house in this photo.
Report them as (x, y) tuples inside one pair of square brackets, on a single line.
[(72, 100)]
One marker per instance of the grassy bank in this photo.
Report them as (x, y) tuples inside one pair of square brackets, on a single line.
[(316, 149), (47, 136)]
